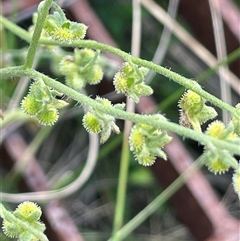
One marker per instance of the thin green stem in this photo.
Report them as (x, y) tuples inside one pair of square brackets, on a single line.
[(122, 186), (3, 41), (229, 59), (130, 106), (174, 97), (42, 15), (20, 32), (31, 149), (155, 204), (11, 115), (157, 121), (187, 83)]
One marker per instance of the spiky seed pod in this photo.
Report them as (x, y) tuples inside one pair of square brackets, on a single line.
[(215, 129), (191, 102), (28, 211), (136, 139), (95, 75), (91, 123), (30, 105), (217, 165), (11, 230), (67, 65), (83, 56), (147, 160), (18, 224), (193, 110), (48, 116), (218, 130), (129, 80), (120, 82)]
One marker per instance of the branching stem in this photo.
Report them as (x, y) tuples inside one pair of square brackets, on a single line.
[(187, 83), (42, 15), (157, 121)]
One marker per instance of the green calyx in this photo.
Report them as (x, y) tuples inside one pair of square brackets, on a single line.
[(96, 121), (81, 69), (146, 143), (129, 80), (58, 27), (41, 103), (193, 110)]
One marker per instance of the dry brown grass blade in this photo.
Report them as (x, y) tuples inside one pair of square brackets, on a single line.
[(161, 15)]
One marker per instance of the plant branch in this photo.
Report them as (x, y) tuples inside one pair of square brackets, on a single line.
[(187, 83), (42, 15), (157, 121)]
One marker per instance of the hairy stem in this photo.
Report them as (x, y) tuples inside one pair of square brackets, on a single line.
[(187, 83), (156, 121), (42, 15)]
